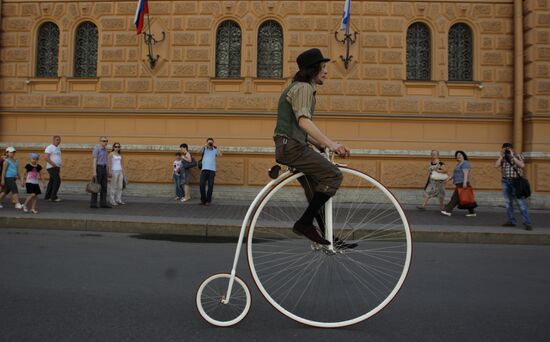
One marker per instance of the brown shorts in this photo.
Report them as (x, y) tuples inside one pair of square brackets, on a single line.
[(10, 185), (324, 175)]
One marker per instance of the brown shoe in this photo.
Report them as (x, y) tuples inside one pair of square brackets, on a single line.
[(508, 224), (309, 231)]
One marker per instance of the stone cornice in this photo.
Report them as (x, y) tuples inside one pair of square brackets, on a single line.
[(268, 150), (141, 112)]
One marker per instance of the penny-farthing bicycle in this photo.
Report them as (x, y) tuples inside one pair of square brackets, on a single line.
[(322, 286)]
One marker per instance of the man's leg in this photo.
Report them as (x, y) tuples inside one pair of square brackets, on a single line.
[(508, 193), (202, 185), (524, 212), (327, 178), (211, 176), (49, 189), (56, 182), (102, 175)]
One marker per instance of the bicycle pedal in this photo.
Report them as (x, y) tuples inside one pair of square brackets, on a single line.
[(274, 171)]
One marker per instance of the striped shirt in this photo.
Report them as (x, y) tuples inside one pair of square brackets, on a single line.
[(302, 98)]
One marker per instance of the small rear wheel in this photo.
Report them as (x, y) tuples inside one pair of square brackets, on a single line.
[(212, 304)]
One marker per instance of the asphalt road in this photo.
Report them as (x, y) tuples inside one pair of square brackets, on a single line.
[(75, 286)]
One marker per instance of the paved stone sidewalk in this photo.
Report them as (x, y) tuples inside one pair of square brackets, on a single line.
[(223, 218)]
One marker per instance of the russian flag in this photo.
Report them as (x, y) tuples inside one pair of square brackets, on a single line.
[(344, 26), (141, 11)]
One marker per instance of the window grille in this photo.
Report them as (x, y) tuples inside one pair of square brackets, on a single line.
[(270, 50), (419, 55), (228, 50), (85, 54), (47, 50), (460, 53)]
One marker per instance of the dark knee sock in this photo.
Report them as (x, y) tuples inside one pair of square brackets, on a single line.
[(319, 199)]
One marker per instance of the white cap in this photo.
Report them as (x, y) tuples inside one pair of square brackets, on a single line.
[(10, 149)]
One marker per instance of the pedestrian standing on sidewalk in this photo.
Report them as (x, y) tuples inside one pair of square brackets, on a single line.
[(176, 176), (435, 185), (32, 183), (461, 179), (10, 176), (53, 166), (184, 171), (208, 172), (117, 175), (511, 165), (100, 173)]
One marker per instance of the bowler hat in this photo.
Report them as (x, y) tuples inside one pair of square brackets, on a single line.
[(310, 57)]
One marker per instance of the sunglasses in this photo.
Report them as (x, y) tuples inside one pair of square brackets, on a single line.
[(116, 146), (104, 140)]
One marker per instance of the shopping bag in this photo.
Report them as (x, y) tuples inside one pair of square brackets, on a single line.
[(466, 198)]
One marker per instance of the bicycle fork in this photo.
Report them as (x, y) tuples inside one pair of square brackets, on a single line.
[(328, 225)]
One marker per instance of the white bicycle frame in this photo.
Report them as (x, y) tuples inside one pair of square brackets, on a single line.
[(328, 228)]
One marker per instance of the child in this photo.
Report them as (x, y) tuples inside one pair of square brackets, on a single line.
[(33, 189), (176, 176), (10, 175)]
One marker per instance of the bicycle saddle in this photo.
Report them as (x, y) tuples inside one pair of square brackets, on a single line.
[(274, 171)]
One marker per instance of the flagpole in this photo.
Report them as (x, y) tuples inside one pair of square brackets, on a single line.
[(347, 40), (150, 40)]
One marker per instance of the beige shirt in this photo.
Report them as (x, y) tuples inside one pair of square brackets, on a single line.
[(302, 98)]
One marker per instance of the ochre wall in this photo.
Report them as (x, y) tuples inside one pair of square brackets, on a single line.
[(390, 123)]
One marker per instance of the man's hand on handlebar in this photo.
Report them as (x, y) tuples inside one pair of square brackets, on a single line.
[(340, 150)]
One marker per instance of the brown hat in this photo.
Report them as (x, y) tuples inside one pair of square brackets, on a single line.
[(310, 57)]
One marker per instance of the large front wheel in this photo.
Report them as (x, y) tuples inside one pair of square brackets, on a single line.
[(330, 287)]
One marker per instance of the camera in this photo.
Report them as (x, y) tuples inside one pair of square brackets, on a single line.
[(507, 153)]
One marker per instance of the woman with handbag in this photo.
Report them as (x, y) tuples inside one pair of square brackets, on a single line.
[(435, 185), (461, 179), (186, 164)]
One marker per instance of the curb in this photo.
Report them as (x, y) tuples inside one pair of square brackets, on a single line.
[(217, 230)]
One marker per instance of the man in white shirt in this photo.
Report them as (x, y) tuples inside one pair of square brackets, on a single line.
[(53, 165)]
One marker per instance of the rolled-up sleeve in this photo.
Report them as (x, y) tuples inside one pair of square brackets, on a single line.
[(301, 98)]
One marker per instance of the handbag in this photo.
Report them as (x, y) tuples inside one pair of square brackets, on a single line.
[(522, 188), (189, 165), (466, 198), (438, 176), (124, 182), (92, 187)]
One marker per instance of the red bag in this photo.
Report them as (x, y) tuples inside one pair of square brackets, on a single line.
[(466, 197)]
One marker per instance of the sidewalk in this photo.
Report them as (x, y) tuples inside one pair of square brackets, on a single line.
[(158, 215)]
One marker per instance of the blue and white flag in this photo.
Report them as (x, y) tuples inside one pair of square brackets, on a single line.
[(344, 26)]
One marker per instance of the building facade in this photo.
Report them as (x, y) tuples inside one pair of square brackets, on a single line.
[(424, 75)]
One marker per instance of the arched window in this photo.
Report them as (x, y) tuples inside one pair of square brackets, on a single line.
[(228, 50), (85, 50), (270, 50), (460, 53), (47, 50), (419, 52)]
